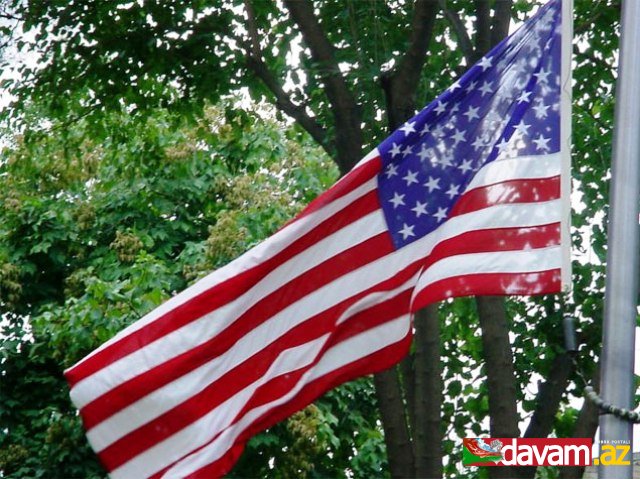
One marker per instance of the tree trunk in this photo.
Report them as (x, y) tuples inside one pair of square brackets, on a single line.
[(396, 433), (550, 396), (428, 394), (501, 380), (347, 114), (400, 86)]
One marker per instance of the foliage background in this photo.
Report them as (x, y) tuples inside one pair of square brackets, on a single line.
[(132, 167)]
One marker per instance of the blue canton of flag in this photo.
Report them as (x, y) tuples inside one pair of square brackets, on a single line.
[(506, 105)]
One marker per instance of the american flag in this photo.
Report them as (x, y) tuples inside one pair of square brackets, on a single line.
[(465, 198)]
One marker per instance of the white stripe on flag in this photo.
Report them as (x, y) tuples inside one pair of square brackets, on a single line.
[(524, 167), (520, 261)]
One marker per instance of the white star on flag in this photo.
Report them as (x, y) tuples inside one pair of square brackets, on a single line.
[(397, 200), (408, 128), (433, 184), (420, 209)]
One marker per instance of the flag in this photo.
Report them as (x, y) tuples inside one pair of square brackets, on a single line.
[(468, 197)]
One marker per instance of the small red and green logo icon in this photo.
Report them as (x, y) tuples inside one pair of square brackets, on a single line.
[(477, 452), (509, 451)]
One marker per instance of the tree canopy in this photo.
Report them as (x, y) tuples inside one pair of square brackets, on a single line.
[(96, 235), (130, 171)]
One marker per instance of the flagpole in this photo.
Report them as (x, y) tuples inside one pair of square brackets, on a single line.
[(621, 292), (565, 140)]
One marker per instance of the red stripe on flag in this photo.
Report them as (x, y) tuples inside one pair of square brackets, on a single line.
[(497, 239), (514, 191), (532, 283), (220, 294)]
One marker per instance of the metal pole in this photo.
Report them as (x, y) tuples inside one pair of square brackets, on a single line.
[(622, 256)]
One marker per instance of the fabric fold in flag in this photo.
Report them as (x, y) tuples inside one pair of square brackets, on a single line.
[(467, 197)]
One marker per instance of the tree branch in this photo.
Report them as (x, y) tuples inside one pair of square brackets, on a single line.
[(401, 83), (548, 402), (10, 37), (500, 23), (255, 50), (396, 433), (549, 397), (5, 15), (585, 426), (483, 28), (460, 32), (597, 10), (424, 15), (322, 50), (73, 119), (343, 105), (284, 103)]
